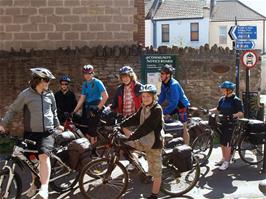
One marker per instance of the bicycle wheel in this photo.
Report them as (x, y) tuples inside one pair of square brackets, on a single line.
[(67, 180), (15, 188), (248, 152), (175, 183), (93, 180), (202, 147)]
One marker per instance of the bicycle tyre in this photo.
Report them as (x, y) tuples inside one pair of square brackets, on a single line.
[(97, 177), (202, 147), (246, 151), (16, 183), (179, 179), (65, 183)]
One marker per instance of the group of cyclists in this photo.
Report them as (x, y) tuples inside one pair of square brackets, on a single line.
[(138, 104)]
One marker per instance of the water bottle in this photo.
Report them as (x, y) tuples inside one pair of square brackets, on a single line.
[(34, 160)]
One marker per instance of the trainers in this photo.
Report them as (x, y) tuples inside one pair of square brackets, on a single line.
[(32, 191), (130, 167), (152, 196), (42, 194), (224, 166), (219, 163)]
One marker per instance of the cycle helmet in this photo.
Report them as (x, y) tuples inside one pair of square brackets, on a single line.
[(168, 69), (148, 88), (227, 85), (88, 69), (42, 73), (125, 70), (65, 78)]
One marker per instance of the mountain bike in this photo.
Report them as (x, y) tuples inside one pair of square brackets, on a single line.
[(62, 179), (108, 176)]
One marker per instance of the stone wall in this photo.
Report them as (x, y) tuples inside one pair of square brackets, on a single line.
[(199, 72), (51, 24)]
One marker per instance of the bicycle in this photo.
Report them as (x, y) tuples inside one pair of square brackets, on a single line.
[(241, 141), (62, 179), (103, 173)]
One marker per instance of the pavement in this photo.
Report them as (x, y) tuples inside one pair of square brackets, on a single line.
[(239, 181)]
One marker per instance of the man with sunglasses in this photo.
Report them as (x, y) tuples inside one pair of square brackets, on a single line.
[(65, 99), (173, 95), (40, 120)]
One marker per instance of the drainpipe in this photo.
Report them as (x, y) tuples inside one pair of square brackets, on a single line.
[(264, 50), (154, 34)]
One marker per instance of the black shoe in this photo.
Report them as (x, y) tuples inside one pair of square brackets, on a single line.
[(152, 196)]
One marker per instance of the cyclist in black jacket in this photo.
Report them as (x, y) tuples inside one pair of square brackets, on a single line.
[(65, 99)]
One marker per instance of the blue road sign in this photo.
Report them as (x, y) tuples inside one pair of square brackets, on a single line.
[(243, 32), (244, 45)]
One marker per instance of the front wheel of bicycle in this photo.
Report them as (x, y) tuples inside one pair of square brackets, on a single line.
[(249, 152), (176, 183), (15, 188), (202, 147), (100, 176), (62, 179)]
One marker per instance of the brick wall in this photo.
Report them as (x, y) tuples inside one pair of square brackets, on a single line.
[(200, 70), (50, 24)]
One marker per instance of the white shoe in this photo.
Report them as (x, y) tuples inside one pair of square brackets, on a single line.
[(224, 166), (130, 167), (220, 162), (32, 191), (42, 194)]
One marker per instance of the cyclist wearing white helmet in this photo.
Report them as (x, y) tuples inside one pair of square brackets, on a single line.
[(230, 106), (65, 99), (93, 96), (148, 135), (40, 119), (127, 99)]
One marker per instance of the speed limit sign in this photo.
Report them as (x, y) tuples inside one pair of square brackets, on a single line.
[(249, 58)]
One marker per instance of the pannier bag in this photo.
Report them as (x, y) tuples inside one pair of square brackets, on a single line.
[(174, 142), (257, 138), (64, 138), (195, 131), (174, 128), (256, 126), (79, 150), (182, 158)]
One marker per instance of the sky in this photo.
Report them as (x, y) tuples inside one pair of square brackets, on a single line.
[(257, 5)]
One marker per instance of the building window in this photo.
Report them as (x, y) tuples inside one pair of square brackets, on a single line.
[(222, 35), (165, 32), (194, 31)]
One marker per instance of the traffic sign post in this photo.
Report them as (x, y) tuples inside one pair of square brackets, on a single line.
[(243, 32)]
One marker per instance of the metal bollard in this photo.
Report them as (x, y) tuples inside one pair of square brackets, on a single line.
[(262, 184)]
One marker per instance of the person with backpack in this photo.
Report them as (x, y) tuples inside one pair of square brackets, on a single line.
[(65, 99), (92, 99), (231, 107), (147, 137), (173, 95)]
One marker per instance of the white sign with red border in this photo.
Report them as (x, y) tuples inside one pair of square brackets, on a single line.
[(249, 58)]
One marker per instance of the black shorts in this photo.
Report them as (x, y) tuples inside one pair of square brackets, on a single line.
[(44, 142), (226, 136)]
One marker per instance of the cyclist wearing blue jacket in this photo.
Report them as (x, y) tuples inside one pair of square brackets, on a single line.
[(176, 101)]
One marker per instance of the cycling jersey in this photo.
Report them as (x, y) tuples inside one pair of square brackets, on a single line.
[(39, 111)]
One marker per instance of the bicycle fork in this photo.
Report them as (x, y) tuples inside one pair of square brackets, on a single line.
[(11, 175)]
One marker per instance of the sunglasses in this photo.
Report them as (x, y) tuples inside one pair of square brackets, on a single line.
[(64, 84), (46, 80), (163, 73), (88, 73)]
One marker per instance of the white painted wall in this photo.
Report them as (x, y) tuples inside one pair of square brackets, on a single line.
[(214, 33), (180, 32), (148, 33)]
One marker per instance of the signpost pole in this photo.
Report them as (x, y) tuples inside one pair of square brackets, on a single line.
[(237, 64), (247, 93)]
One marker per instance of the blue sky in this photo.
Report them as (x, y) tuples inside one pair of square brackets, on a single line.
[(257, 5)]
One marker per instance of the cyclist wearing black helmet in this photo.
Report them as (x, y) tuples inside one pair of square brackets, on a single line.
[(38, 105), (230, 106), (174, 96), (65, 99), (148, 135), (127, 99)]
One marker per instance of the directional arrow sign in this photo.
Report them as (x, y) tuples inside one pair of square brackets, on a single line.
[(244, 45), (243, 32)]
